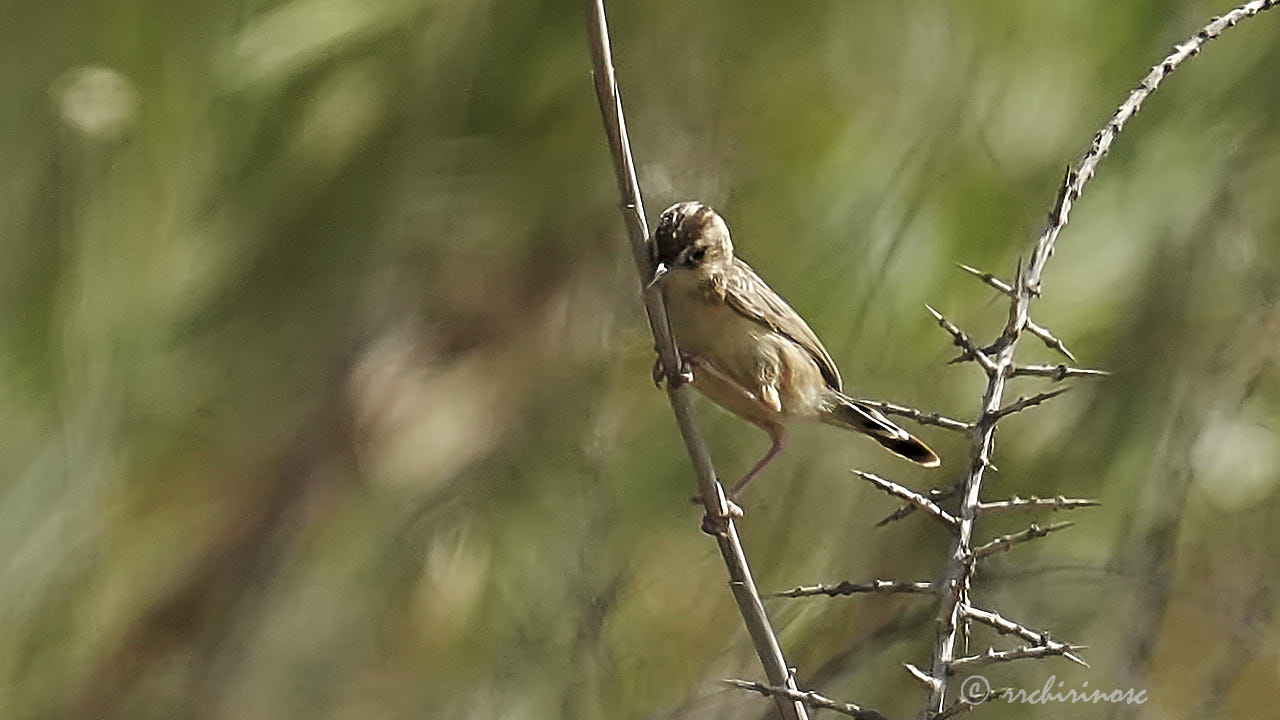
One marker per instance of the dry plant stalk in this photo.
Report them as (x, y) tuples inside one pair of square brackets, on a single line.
[(955, 611), (997, 360), (713, 499)]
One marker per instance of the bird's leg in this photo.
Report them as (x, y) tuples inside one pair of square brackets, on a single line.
[(779, 437), (717, 525), (685, 375)]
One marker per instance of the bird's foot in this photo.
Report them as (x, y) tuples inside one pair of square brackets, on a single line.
[(718, 524), (674, 380)]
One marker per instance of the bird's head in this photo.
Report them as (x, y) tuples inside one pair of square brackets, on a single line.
[(690, 235)]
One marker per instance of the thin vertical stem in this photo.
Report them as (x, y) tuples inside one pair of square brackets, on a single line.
[(740, 581)]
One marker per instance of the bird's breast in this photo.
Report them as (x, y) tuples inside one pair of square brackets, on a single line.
[(750, 354), (704, 323)]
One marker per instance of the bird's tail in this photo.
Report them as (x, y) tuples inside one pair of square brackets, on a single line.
[(848, 413)]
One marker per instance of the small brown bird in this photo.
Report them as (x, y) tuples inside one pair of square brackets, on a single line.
[(746, 349)]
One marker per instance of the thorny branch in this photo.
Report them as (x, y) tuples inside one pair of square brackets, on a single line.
[(993, 656), (916, 499), (997, 361), (1008, 627), (1023, 403), (888, 587), (1005, 542), (1046, 336), (1056, 372), (962, 341), (935, 495), (812, 699), (713, 498), (919, 416), (1034, 503)]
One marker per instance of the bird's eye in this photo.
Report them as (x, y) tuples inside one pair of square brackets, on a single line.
[(697, 254)]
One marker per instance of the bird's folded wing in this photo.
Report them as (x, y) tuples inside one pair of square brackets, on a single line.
[(752, 297)]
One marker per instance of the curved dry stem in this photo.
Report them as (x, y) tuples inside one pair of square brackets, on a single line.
[(1083, 172), (713, 499)]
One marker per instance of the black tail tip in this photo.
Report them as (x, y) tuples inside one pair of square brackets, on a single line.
[(911, 449)]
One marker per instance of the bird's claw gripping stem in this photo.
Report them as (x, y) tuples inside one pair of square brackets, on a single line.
[(674, 380), (717, 524)]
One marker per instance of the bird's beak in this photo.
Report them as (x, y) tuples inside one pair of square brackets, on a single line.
[(658, 272)]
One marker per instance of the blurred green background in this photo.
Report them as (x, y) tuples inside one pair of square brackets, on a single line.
[(326, 383)]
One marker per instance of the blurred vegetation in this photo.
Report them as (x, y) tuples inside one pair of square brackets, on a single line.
[(326, 385)]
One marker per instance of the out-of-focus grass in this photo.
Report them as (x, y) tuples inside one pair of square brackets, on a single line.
[(325, 385)]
